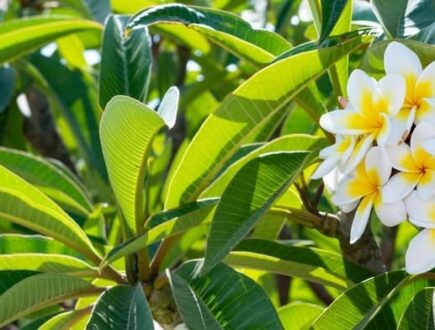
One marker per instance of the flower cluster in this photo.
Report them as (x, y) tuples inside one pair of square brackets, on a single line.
[(384, 151)]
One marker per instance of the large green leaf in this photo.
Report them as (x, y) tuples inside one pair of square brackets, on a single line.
[(223, 28), (7, 86), (22, 203), (420, 313), (402, 17), (241, 113), (222, 299), (15, 243), (331, 12), (356, 307), (122, 307), (163, 225), (46, 263), (311, 264), (9, 278), (127, 130), (39, 291), (23, 35), (295, 142), (125, 61), (247, 197), (298, 315), (63, 321), (47, 178)]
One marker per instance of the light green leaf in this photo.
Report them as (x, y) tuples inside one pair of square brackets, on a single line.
[(39, 291), (125, 67), (356, 307), (47, 178), (169, 106), (64, 321), (23, 35), (15, 243), (46, 263), (241, 113), (223, 28), (298, 315), (295, 142), (311, 264), (122, 307), (222, 299), (163, 225), (420, 313), (22, 203), (127, 123), (247, 197)]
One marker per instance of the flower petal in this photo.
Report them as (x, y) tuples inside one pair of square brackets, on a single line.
[(361, 218), (399, 59), (426, 185), (358, 153), (420, 256), (384, 133), (347, 192), (377, 161), (360, 89), (345, 122), (393, 92), (422, 132), (391, 214), (399, 186), (347, 208), (401, 158), (401, 126), (425, 87), (326, 167), (421, 212), (426, 111)]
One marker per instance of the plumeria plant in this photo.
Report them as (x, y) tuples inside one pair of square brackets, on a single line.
[(217, 164), (383, 156)]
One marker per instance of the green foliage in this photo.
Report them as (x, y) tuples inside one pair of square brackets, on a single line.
[(157, 168)]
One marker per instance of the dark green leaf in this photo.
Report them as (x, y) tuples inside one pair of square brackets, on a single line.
[(121, 307), (331, 12), (420, 312), (247, 197), (7, 86), (125, 61), (222, 299)]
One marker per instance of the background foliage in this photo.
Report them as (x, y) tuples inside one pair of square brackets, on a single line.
[(126, 202)]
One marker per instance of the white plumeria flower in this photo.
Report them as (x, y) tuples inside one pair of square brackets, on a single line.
[(372, 104), (416, 166), (365, 186), (420, 256), (335, 155), (420, 84), (421, 211)]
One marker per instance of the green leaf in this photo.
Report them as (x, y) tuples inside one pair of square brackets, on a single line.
[(9, 278), (7, 86), (420, 312), (45, 263), (63, 321), (223, 28), (15, 243), (402, 17), (22, 203), (356, 307), (122, 307), (47, 178), (125, 67), (169, 106), (39, 291), (298, 315), (125, 123), (242, 113), (222, 299), (163, 225), (331, 12), (294, 142), (247, 197), (311, 264), (23, 35)]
